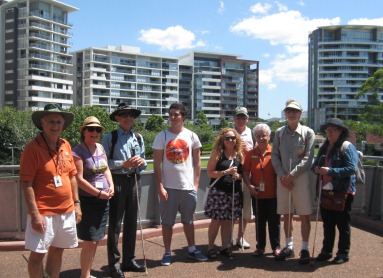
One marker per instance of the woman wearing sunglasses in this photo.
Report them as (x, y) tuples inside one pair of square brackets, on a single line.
[(222, 206), (95, 189)]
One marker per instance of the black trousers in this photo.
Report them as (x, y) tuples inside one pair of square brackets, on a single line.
[(266, 211), (122, 206), (341, 220)]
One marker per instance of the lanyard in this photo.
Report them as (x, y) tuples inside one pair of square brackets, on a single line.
[(50, 154), (96, 165)]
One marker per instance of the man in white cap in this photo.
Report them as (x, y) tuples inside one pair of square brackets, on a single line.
[(292, 155), (241, 118), (47, 176)]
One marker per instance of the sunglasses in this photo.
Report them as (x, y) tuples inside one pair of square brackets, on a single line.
[(126, 114), (289, 110), (228, 138), (94, 128)]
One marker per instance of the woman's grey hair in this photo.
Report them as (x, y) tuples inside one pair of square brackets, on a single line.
[(264, 128)]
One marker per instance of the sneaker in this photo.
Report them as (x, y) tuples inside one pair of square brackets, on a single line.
[(166, 259), (304, 257), (198, 256), (323, 256), (241, 243), (258, 252), (286, 253), (340, 259)]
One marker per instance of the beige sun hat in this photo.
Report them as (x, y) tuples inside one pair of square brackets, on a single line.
[(91, 121), (50, 109)]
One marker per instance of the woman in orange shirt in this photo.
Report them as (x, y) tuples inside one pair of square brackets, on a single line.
[(260, 177)]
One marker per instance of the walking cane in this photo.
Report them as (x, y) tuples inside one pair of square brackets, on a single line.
[(133, 153), (232, 218), (320, 182)]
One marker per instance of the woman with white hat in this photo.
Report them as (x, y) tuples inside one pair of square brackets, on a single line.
[(95, 189)]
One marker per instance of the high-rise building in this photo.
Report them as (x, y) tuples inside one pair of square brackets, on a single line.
[(204, 81), (217, 83), (341, 59), (36, 65), (108, 76)]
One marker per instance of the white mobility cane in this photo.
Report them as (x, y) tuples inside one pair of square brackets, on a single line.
[(133, 153), (320, 183), (289, 218), (232, 218)]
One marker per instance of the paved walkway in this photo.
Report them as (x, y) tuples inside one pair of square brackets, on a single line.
[(366, 257)]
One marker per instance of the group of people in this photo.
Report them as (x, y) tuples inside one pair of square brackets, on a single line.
[(72, 194)]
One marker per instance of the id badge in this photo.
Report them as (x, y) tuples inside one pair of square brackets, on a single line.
[(262, 186), (99, 185), (57, 180)]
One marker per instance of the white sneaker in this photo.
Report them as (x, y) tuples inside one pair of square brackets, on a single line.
[(242, 243)]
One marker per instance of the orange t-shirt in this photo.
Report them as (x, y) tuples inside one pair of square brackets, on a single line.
[(39, 166), (260, 168)]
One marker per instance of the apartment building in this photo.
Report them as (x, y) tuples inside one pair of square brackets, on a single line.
[(341, 58), (217, 83), (107, 76), (34, 47)]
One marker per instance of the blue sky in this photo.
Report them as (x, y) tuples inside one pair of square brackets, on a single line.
[(275, 33)]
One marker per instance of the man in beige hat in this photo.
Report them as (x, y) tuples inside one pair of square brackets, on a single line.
[(47, 176), (241, 118), (292, 155)]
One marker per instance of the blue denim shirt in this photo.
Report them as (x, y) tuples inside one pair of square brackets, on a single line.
[(343, 167)]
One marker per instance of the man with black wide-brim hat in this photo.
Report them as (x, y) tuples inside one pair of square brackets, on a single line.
[(126, 158), (47, 176)]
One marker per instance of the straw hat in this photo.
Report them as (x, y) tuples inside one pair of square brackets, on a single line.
[(91, 121)]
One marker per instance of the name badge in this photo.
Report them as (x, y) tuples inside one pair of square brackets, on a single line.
[(57, 181), (261, 186), (99, 185)]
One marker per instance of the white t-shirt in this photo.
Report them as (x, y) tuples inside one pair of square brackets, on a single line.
[(177, 161), (247, 139)]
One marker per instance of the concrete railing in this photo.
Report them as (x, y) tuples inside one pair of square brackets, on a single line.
[(368, 200)]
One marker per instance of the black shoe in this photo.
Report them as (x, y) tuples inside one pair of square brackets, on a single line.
[(340, 259), (323, 256), (286, 253), (304, 257), (133, 266), (116, 273)]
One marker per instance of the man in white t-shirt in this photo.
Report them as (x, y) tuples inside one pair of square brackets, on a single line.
[(241, 118), (177, 169)]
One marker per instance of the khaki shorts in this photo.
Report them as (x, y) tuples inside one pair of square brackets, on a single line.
[(60, 232), (300, 196), (247, 206)]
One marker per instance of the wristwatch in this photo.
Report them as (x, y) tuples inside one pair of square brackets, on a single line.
[(76, 201), (224, 173)]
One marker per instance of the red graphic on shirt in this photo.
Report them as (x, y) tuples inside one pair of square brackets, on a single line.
[(177, 151)]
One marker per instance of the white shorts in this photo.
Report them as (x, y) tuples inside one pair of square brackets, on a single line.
[(60, 232), (247, 211), (300, 196)]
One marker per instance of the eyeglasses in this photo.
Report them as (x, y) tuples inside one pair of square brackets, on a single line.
[(126, 114), (228, 138), (241, 117), (331, 129), (290, 110), (94, 128), (261, 136)]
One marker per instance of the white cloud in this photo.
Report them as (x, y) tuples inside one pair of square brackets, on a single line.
[(172, 38), (260, 8), (366, 21), (266, 79), (289, 29), (221, 8)]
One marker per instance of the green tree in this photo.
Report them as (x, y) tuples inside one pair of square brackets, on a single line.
[(223, 123), (155, 123)]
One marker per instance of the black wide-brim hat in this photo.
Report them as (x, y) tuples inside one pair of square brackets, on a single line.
[(121, 108), (52, 108), (337, 123)]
